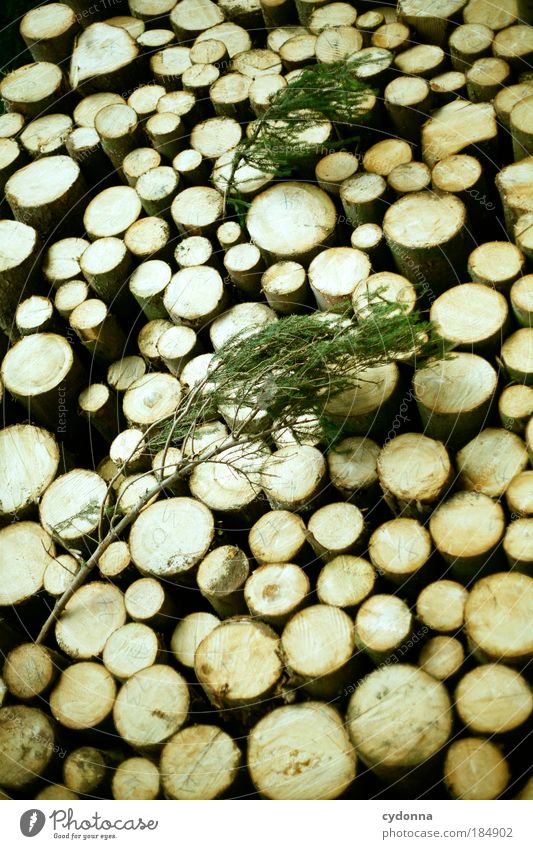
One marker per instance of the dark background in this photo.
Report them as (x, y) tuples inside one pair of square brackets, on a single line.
[(12, 50)]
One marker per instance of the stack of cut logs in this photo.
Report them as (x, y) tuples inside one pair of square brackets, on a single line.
[(323, 614)]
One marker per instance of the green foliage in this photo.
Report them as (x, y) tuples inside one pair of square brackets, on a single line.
[(294, 366), (281, 141)]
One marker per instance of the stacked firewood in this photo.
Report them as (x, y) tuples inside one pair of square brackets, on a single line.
[(287, 621)]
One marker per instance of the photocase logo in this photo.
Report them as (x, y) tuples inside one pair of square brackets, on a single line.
[(32, 822)]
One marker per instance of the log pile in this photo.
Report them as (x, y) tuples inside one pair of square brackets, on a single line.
[(260, 607)]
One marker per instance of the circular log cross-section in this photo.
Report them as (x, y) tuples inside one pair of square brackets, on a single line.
[(147, 285), (27, 742), (90, 617), (221, 579), (11, 123), (128, 452), (111, 212), (469, 42), (407, 102), (364, 199), (291, 221), (301, 752), (441, 606), (195, 296), (352, 465), (457, 126), (40, 371), (199, 762), (396, 733), (485, 79), (115, 562), (192, 17), (496, 264), (285, 287), (48, 194), (84, 770), (383, 626), (35, 315), (170, 537), (414, 473), (138, 162), (245, 318), (367, 406), (49, 32), (30, 670), (98, 330), (335, 273), (498, 618), (29, 459), (69, 296), (59, 574), (442, 657), (386, 285), (151, 706), (386, 155), (230, 484), (26, 550), (333, 169), (426, 235), (99, 406), (448, 86), (150, 399), (410, 177), (293, 477), (239, 664), (275, 591), (136, 778), (345, 581), (118, 129), (129, 649), (71, 506), (46, 136), (105, 265), (177, 346), (490, 461), (197, 210), (189, 633), (475, 769), (277, 537), (519, 495), (521, 297), (19, 264), (522, 128), (62, 261), (466, 530), (481, 712), (132, 490), (83, 697), (32, 89), (471, 317), (463, 175), (517, 545), (517, 356), (147, 601), (124, 372), (156, 189), (319, 646), (245, 267), (337, 528), (453, 397), (399, 549)]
